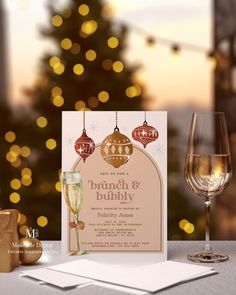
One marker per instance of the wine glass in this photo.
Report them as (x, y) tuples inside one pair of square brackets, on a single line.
[(73, 194), (208, 168)]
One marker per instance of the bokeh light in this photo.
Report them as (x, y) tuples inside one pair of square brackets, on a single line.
[(51, 144), (75, 49), (41, 121), (58, 186), (107, 64), (23, 229), (89, 27), (10, 136), (14, 198), (103, 96), (80, 105), (25, 151), (78, 69), (66, 43), (90, 55), (112, 42), (42, 221), (56, 91), (133, 91), (56, 20), (83, 9), (58, 100), (118, 66), (15, 184), (93, 102), (22, 219)]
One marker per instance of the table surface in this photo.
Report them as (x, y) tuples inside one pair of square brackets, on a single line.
[(222, 283)]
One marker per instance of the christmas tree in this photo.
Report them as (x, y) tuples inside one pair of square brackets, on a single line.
[(87, 71)]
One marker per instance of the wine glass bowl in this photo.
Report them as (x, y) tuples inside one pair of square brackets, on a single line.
[(208, 168)]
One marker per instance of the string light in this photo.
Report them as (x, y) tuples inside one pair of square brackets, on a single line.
[(10, 136), (83, 9), (26, 182), (75, 49), (42, 221), (15, 184), (23, 230), (22, 219), (66, 43), (103, 96), (93, 102), (182, 223), (59, 69), (42, 122), (25, 151), (54, 60), (133, 91), (89, 27), (118, 66), (58, 186), (112, 42), (56, 20), (58, 101), (80, 105), (189, 228), (14, 198), (107, 64), (51, 144), (90, 55), (56, 91), (78, 69)]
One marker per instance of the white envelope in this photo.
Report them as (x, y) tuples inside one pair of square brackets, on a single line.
[(56, 278), (150, 277)]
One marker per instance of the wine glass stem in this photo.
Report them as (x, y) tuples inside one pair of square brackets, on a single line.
[(76, 218), (207, 202)]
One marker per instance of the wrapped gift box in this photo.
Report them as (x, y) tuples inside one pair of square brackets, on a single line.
[(9, 242)]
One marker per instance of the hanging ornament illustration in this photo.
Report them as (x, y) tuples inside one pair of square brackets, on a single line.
[(116, 148), (84, 146), (145, 133)]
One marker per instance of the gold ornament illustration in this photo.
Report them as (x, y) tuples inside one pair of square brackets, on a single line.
[(116, 148)]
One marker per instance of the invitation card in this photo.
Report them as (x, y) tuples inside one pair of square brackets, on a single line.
[(115, 181)]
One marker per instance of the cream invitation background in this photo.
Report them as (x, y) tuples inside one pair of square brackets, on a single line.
[(142, 211)]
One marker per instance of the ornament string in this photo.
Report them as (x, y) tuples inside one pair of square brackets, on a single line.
[(116, 128), (84, 121), (145, 118)]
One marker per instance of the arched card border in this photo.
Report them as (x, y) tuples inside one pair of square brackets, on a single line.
[(162, 228)]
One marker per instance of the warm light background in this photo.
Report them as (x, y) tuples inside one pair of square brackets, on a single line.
[(173, 81)]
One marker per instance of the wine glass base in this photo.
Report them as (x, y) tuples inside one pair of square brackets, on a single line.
[(207, 257), (77, 253)]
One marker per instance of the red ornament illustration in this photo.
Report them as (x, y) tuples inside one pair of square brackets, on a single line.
[(84, 146), (145, 133)]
